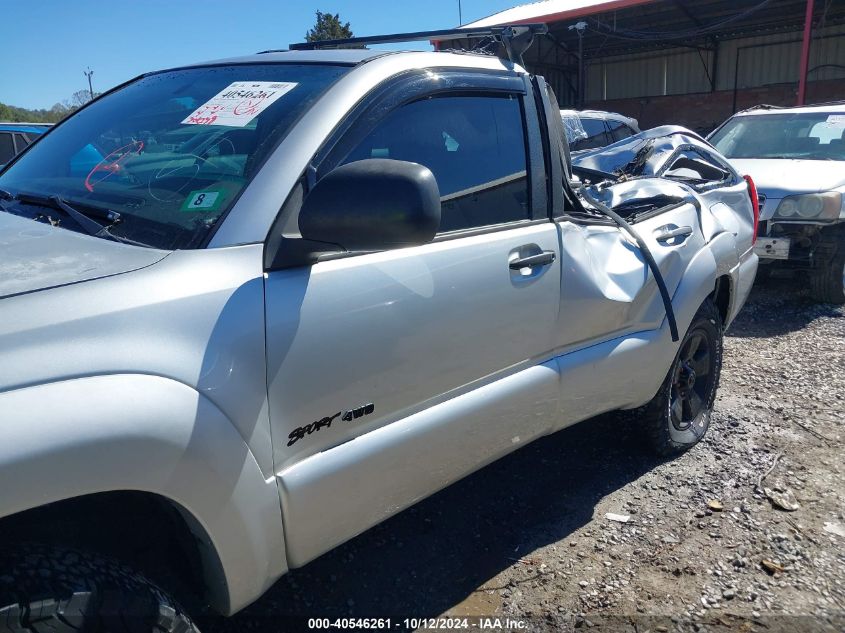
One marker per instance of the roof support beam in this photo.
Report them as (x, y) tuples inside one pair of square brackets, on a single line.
[(686, 12), (805, 53)]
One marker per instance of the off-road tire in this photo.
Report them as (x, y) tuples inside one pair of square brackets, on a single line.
[(44, 588), (662, 434), (827, 278)]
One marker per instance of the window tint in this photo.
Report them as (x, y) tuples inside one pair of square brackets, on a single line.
[(596, 136), (21, 142), (619, 130), (7, 149), (474, 146)]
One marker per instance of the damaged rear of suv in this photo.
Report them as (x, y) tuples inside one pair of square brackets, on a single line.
[(797, 158)]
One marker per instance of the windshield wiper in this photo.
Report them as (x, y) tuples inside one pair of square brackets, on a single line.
[(90, 226), (86, 223)]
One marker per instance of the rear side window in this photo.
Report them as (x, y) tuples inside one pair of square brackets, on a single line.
[(619, 130), (474, 146), (695, 168), (7, 148), (596, 136)]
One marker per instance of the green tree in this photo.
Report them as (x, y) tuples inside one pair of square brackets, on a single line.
[(13, 114), (328, 27)]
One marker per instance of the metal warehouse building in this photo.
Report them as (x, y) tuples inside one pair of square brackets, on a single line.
[(684, 62)]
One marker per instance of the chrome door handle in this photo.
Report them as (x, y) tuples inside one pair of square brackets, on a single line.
[(681, 231), (541, 259)]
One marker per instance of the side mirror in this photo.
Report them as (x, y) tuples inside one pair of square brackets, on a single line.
[(372, 205)]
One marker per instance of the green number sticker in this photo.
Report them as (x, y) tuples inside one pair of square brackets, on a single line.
[(203, 201)]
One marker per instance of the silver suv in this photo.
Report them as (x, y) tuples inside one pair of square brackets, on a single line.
[(250, 308)]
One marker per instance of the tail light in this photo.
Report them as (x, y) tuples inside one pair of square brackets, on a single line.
[(755, 204)]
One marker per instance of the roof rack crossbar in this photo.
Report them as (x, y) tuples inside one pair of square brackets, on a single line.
[(515, 39)]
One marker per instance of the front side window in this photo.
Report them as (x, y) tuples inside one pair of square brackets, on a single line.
[(168, 153), (808, 136), (474, 146)]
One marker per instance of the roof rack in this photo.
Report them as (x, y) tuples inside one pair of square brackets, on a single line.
[(764, 106), (516, 39)]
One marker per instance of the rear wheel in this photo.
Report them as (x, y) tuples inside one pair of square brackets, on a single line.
[(43, 588), (679, 414)]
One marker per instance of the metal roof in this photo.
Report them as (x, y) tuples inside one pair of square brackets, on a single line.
[(616, 27), (553, 11)]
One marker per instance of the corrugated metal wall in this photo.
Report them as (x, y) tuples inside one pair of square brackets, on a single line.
[(753, 61)]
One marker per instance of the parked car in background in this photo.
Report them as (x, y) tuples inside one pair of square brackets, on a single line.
[(796, 157), (256, 306), (15, 137), (590, 129)]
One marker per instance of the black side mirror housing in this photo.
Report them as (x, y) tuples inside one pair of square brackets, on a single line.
[(372, 205)]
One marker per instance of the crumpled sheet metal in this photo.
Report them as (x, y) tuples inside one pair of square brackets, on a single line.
[(663, 141)]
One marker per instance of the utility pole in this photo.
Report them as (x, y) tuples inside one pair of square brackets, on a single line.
[(90, 85), (580, 27), (460, 14)]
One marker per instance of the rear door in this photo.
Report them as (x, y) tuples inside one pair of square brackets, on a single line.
[(610, 304), (389, 348)]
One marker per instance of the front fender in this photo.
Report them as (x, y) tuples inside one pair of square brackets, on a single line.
[(147, 433)]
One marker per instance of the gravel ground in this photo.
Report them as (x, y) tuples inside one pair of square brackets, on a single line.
[(528, 538)]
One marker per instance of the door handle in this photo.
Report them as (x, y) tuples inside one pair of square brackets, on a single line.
[(541, 259), (681, 231)]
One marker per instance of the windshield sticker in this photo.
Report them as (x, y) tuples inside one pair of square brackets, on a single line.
[(239, 103), (203, 201), (836, 119)]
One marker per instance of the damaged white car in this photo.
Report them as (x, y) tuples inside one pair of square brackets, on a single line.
[(797, 158)]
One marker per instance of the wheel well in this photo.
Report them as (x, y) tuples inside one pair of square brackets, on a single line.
[(143, 530), (722, 297)]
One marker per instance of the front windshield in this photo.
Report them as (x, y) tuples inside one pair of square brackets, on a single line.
[(168, 153), (808, 136)]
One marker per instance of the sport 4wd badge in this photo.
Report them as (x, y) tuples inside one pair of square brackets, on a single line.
[(347, 416)]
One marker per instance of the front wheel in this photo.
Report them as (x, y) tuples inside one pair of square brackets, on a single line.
[(44, 588), (679, 414), (827, 278)]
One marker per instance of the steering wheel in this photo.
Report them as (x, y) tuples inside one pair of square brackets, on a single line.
[(177, 167), (112, 163)]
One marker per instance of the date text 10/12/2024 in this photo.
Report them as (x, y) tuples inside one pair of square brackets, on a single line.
[(478, 623)]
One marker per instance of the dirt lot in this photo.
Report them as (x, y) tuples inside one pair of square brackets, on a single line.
[(528, 537)]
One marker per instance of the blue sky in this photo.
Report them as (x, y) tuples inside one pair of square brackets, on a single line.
[(56, 40)]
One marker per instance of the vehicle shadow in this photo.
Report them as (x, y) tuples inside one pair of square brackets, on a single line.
[(779, 305), (434, 555)]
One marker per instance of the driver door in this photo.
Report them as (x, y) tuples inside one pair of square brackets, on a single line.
[(392, 374)]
